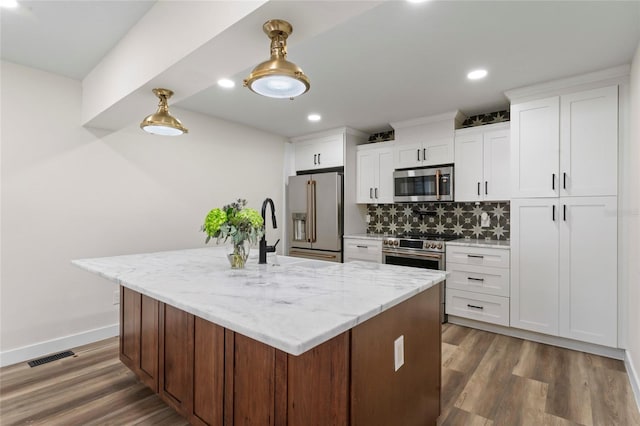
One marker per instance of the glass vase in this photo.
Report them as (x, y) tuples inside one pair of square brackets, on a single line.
[(238, 254)]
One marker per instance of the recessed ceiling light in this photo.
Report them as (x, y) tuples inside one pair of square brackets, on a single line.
[(314, 117), (226, 83), (416, 1), (477, 74), (9, 4)]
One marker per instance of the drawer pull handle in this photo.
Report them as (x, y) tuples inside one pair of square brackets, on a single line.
[(475, 279), (476, 256), (475, 307), (362, 246)]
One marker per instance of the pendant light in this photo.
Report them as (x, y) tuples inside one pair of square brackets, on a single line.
[(277, 77), (161, 122)]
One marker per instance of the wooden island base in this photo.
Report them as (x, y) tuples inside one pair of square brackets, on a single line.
[(214, 376)]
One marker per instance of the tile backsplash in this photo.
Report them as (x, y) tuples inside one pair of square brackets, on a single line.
[(459, 219)]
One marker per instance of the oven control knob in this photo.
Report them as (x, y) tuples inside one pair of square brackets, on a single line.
[(439, 246), (385, 242), (429, 245), (396, 243)]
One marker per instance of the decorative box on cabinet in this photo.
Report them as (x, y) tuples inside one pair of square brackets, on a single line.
[(478, 284), (482, 171), (425, 141), (365, 249), (374, 168), (566, 145)]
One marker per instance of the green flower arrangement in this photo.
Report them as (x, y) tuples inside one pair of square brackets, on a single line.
[(238, 223)]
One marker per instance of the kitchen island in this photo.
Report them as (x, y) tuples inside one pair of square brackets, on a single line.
[(302, 342)]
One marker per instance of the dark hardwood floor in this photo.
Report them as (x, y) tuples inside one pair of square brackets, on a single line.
[(487, 379)]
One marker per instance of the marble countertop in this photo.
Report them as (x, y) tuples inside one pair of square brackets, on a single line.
[(293, 304), (371, 236), (465, 242)]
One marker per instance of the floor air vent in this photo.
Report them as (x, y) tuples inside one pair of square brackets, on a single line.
[(46, 359)]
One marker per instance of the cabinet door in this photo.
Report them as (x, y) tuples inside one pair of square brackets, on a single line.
[(320, 153), (437, 151), (534, 264), (535, 148), (139, 335), (306, 156), (497, 171), (366, 172), (385, 176), (330, 151), (407, 155), (468, 167), (589, 142), (176, 358), (588, 270)]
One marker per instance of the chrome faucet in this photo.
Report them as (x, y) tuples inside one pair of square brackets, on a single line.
[(264, 248)]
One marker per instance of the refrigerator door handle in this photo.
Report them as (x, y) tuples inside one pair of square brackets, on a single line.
[(309, 218), (313, 209)]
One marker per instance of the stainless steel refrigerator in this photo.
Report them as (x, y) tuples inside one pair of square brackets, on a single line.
[(314, 210)]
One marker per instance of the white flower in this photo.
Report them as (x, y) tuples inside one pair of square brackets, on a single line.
[(423, 228), (477, 211), (406, 227), (379, 211), (440, 211), (408, 211), (440, 228), (457, 229), (477, 230), (393, 227), (393, 211), (458, 211), (378, 227)]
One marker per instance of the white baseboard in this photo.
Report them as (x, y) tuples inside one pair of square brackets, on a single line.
[(541, 338), (25, 353), (633, 377)]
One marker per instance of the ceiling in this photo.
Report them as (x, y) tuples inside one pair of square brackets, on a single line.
[(393, 61)]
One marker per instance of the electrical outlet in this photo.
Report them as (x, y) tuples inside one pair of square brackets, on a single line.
[(116, 297), (485, 220), (367, 218), (398, 352)]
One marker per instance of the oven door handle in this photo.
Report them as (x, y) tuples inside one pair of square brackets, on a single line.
[(413, 255)]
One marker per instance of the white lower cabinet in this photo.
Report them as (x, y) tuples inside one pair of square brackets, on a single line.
[(365, 249), (477, 306), (478, 283), (564, 267)]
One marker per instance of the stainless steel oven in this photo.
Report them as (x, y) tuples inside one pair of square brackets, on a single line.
[(424, 184), (418, 251)]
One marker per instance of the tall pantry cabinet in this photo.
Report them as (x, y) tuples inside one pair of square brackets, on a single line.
[(564, 215)]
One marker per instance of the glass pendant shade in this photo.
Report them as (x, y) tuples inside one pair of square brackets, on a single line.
[(277, 77), (161, 122)]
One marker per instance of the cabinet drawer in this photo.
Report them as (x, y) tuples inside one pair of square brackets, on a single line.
[(476, 306), (479, 279), (480, 256), (365, 249)]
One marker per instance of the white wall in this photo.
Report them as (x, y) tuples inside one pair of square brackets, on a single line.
[(632, 221), (70, 192)]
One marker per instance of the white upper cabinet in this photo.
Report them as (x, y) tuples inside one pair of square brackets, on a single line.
[(482, 170), (425, 141), (589, 143), (566, 145), (375, 173), (320, 153), (535, 152)]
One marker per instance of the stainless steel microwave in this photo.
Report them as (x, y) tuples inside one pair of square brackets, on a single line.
[(424, 184)]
